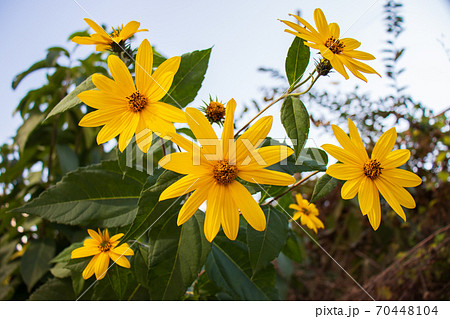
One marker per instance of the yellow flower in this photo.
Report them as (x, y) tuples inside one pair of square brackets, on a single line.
[(103, 40), (126, 109), (307, 212), (213, 167), (366, 176), (102, 248), (339, 52)]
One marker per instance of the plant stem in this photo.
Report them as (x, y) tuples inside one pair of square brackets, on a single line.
[(134, 292), (296, 86), (290, 188), (307, 90)]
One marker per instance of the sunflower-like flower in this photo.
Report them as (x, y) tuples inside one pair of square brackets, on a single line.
[(339, 52), (105, 41), (213, 168), (307, 212), (126, 109), (102, 248), (367, 176)]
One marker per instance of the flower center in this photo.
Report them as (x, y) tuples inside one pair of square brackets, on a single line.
[(215, 111), (137, 102), (115, 32), (224, 173), (105, 246), (372, 169), (335, 45)]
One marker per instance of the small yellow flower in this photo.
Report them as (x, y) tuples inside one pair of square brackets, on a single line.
[(366, 176), (126, 109), (339, 52), (102, 248), (213, 167), (103, 40), (307, 212)]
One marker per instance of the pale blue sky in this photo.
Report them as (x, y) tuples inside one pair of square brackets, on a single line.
[(245, 36)]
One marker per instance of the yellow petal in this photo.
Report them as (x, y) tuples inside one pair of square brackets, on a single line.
[(294, 206), (159, 87), (98, 29), (214, 209), (183, 163), (348, 63), (119, 260), (403, 197), (197, 198), (116, 237), (101, 265), (84, 252), (297, 215), (169, 66), (342, 155), (183, 186), (401, 177), (112, 128), (350, 44), (267, 156), (334, 30), (102, 100), (121, 75), (144, 63), (127, 134), (252, 138), (356, 140), (346, 143), (143, 135), (230, 219), (105, 84), (90, 268), (184, 143), (363, 67), (298, 198), (305, 35), (384, 145), (321, 23), (305, 220), (124, 250), (95, 235), (90, 243), (396, 158), (168, 112), (344, 171), (390, 198), (375, 214), (228, 128), (129, 29), (98, 117), (336, 63), (84, 40), (203, 131), (265, 176), (102, 47), (306, 24), (366, 195), (358, 55), (157, 124), (350, 188), (249, 208), (317, 222)]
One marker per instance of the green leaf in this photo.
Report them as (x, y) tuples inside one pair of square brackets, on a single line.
[(54, 289), (68, 159), (149, 207), (26, 129), (64, 256), (297, 60), (228, 266), (310, 159), (35, 261), (176, 256), (189, 78), (292, 248), (71, 100), (118, 279), (324, 185), (295, 119), (264, 246), (95, 196)]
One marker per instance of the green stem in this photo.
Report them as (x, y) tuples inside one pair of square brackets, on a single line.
[(134, 292), (296, 86), (307, 90)]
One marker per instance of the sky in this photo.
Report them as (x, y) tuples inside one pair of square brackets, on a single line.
[(245, 35)]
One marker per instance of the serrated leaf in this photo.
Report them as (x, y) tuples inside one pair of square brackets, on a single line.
[(95, 196), (264, 246), (71, 100), (189, 78), (176, 256), (324, 185), (35, 261), (295, 119), (228, 266), (149, 207), (297, 60)]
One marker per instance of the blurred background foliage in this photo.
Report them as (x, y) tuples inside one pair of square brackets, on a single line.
[(401, 261)]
